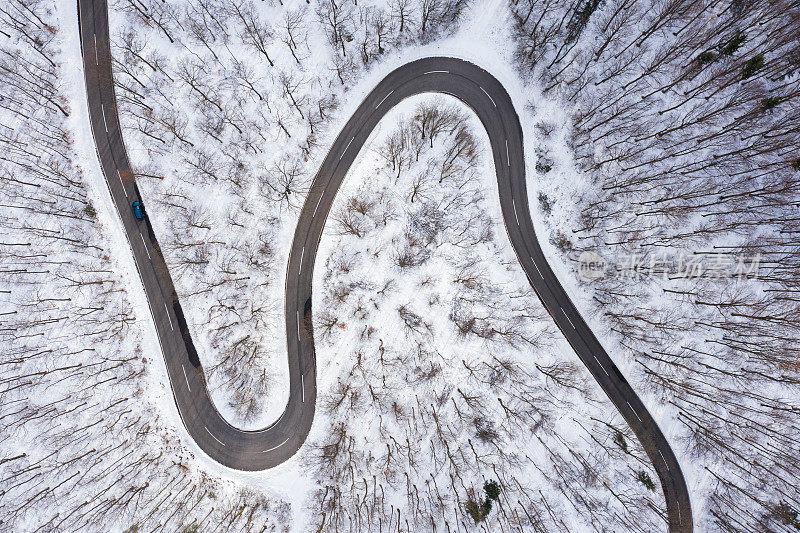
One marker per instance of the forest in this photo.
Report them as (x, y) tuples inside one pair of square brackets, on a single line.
[(661, 137)]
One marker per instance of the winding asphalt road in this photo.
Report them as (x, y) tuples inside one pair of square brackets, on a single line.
[(268, 447)]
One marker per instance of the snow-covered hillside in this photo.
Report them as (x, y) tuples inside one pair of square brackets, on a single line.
[(661, 139), (684, 125), (441, 370), (85, 441), (226, 107)]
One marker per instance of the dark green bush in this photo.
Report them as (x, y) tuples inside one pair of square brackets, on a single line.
[(479, 511), (752, 66), (543, 166), (787, 516), (706, 57), (619, 438), (770, 101), (90, 211), (644, 478), (734, 44), (545, 204), (492, 490), (475, 511)]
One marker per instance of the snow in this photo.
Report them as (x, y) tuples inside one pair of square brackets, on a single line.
[(116, 243), (482, 40), (438, 362), (371, 266)]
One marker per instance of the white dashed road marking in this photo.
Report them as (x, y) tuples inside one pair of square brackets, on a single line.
[(345, 149), (599, 363), (537, 268), (662, 458), (573, 327), (487, 94), (168, 317), (634, 411), (215, 438), (276, 447), (145, 247), (121, 183), (187, 378), (318, 202), (384, 99), (514, 208)]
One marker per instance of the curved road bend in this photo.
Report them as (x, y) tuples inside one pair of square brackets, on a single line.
[(268, 447)]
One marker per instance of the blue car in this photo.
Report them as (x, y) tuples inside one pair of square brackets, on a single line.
[(138, 210)]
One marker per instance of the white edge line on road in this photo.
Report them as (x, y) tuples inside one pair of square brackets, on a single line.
[(302, 254), (168, 317), (187, 378), (274, 447), (103, 109), (384, 99), (345, 149), (303, 386), (634, 412), (215, 438), (146, 250), (489, 95), (438, 72), (121, 183)]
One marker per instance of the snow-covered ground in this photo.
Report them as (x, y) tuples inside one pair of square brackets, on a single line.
[(225, 176), (493, 51), (439, 367), (414, 414), (681, 173), (88, 437)]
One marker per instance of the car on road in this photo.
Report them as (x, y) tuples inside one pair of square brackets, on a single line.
[(138, 210)]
